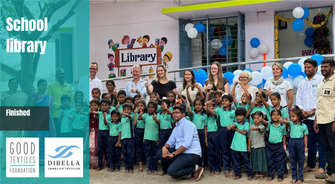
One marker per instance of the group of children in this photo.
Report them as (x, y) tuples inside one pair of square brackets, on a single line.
[(254, 134)]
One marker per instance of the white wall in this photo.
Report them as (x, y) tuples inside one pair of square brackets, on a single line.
[(114, 20)]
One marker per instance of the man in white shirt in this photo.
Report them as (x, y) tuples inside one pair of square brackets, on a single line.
[(136, 86), (94, 82), (306, 99)]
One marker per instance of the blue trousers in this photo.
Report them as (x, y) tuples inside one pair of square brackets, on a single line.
[(226, 137), (201, 134), (183, 164), (297, 156), (114, 153), (164, 137), (237, 157), (314, 143), (276, 158), (103, 137), (128, 153), (213, 151), (151, 150), (140, 146)]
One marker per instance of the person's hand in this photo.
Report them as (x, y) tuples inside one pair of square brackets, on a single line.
[(196, 86), (133, 90), (146, 83), (252, 104), (206, 142), (316, 127), (157, 96), (284, 146), (304, 113), (157, 142), (251, 128), (188, 86), (114, 92), (143, 141), (154, 117), (281, 120), (118, 105), (228, 127), (249, 150), (333, 127), (169, 156), (142, 97), (209, 86), (165, 152), (205, 107), (135, 111), (188, 108), (163, 106), (236, 82), (306, 150), (308, 114)]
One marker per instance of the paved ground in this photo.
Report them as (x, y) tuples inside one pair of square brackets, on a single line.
[(103, 176)]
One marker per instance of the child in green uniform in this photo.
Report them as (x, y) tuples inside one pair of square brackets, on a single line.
[(114, 145), (245, 99), (172, 97), (239, 144), (260, 105), (80, 120), (63, 114), (155, 97), (121, 95), (151, 136), (127, 137)]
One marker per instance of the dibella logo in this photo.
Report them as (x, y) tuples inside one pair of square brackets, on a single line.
[(22, 157), (62, 150), (63, 157)]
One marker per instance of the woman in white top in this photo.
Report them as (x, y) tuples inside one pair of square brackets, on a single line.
[(278, 84), (193, 87), (245, 77)]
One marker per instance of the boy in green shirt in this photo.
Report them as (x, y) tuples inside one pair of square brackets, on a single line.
[(121, 96), (63, 114), (114, 141)]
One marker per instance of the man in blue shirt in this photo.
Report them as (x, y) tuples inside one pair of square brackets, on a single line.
[(136, 86), (182, 151)]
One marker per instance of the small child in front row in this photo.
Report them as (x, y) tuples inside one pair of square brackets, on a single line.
[(260, 105), (238, 146), (245, 99), (64, 119), (256, 146), (139, 133), (298, 143), (155, 97), (127, 137), (114, 145), (96, 93), (121, 98), (79, 117), (151, 136), (276, 149)]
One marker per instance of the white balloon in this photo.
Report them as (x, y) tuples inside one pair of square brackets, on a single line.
[(237, 72), (301, 37), (216, 44), (188, 26), (263, 48), (266, 72), (290, 81), (319, 70), (253, 53), (256, 78), (298, 12), (192, 32), (270, 78), (287, 64), (301, 63), (297, 80), (231, 87), (235, 79)]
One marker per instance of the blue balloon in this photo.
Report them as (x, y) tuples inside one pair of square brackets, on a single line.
[(309, 32), (201, 78), (248, 69), (254, 42), (200, 71), (306, 13), (200, 27), (309, 41), (229, 76), (298, 25), (223, 51), (224, 41), (260, 71), (193, 71), (318, 58), (264, 81), (285, 73), (294, 70), (261, 84)]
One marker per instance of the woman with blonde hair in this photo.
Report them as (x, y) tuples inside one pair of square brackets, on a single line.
[(162, 83), (244, 78), (216, 81)]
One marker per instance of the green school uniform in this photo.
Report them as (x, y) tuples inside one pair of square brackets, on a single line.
[(120, 108), (66, 124), (276, 132), (112, 108), (298, 130), (159, 109), (212, 125), (165, 121), (199, 120), (79, 121), (256, 108), (151, 128), (227, 117), (114, 128), (140, 123), (246, 107), (282, 110), (127, 127), (239, 142), (102, 125)]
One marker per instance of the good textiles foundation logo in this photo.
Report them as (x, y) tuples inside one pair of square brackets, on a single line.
[(63, 157), (22, 157)]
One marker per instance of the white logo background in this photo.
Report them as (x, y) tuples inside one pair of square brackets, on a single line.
[(64, 167)]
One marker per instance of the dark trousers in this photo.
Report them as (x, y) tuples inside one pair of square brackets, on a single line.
[(226, 137), (164, 137), (201, 134), (328, 140), (128, 147), (314, 143), (114, 157), (151, 150), (140, 146), (57, 127), (297, 157), (237, 157), (277, 159), (103, 137), (183, 164), (213, 151)]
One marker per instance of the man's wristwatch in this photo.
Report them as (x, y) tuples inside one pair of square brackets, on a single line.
[(173, 154)]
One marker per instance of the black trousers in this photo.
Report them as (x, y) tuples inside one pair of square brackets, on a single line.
[(328, 140)]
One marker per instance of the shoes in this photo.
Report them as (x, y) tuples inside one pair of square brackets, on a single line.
[(197, 174), (331, 179), (308, 169)]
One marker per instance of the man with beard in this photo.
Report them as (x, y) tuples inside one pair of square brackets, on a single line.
[(306, 99), (325, 114)]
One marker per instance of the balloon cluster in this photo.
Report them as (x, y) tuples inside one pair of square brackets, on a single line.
[(300, 13), (200, 76), (309, 32), (222, 45), (193, 30), (257, 48)]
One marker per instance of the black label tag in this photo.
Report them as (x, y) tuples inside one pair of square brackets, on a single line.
[(327, 92)]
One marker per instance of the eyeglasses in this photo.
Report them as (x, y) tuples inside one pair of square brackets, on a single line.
[(214, 68), (242, 77), (92, 68)]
